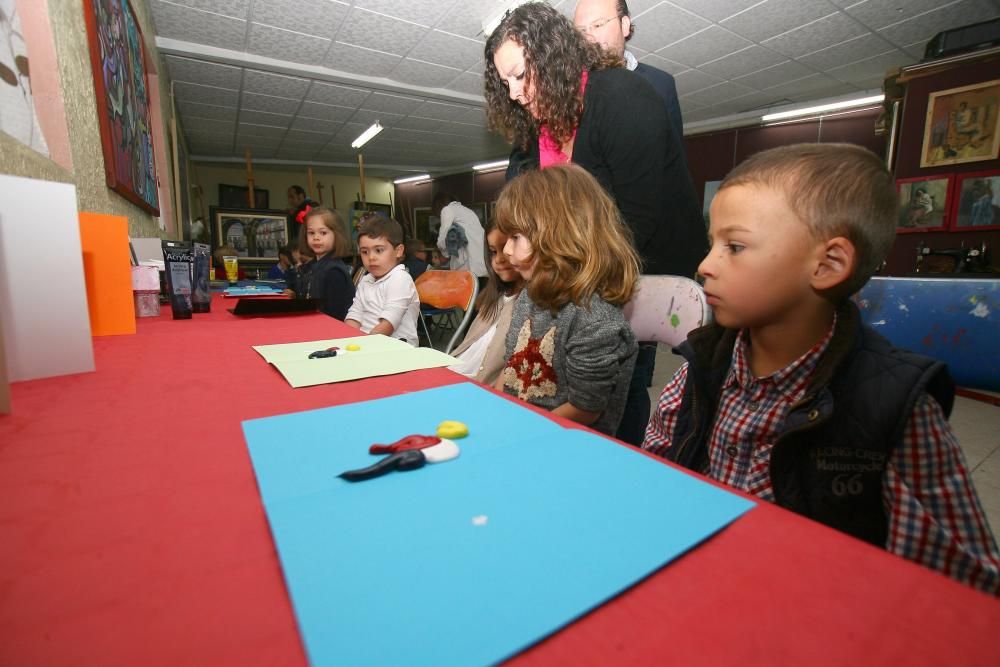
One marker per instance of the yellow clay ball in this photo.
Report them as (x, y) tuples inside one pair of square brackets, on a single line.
[(452, 429), (353, 348)]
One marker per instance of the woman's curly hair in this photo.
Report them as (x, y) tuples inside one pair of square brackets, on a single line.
[(555, 54)]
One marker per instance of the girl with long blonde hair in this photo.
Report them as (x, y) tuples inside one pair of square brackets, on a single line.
[(569, 348)]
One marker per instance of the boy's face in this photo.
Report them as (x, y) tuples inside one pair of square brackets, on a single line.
[(758, 270), (379, 255)]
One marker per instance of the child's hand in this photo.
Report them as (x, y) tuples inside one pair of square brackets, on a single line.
[(353, 323)]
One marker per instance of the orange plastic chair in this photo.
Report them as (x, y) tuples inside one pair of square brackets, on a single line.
[(443, 292)]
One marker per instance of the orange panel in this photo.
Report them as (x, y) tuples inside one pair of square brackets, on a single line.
[(106, 265)]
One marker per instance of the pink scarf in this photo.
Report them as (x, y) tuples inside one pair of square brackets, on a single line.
[(549, 150)]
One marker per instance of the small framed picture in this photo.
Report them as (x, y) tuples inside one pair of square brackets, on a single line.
[(977, 201), (924, 203), (962, 125), (255, 234)]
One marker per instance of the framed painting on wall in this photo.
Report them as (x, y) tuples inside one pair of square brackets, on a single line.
[(977, 201), (255, 234), (963, 125), (924, 203), (422, 228), (117, 58)]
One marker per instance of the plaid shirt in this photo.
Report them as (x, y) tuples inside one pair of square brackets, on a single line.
[(934, 513)]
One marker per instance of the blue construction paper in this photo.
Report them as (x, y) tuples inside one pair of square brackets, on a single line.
[(253, 291), (472, 560)]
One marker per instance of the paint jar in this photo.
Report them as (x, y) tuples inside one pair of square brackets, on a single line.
[(232, 269), (146, 291)]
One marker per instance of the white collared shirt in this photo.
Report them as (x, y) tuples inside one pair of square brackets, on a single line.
[(392, 298), (630, 62)]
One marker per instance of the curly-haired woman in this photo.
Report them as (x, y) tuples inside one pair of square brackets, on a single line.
[(560, 99)]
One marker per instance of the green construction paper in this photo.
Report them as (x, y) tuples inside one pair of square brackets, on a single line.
[(357, 365), (301, 351)]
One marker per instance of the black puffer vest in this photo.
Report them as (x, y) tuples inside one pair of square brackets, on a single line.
[(830, 454)]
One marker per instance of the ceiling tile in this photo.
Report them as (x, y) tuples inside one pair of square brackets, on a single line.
[(441, 111), (718, 93), (312, 125), (265, 118), (754, 102), (244, 140), (805, 85), (327, 112), (467, 82), (286, 45), (424, 12), (329, 93), (397, 104), (382, 33), (869, 68), (366, 117), (665, 24), (192, 25), (424, 74), (925, 26), (206, 125), (192, 92), (713, 10), (442, 48), (424, 124), (250, 129), (411, 136), (877, 14), (465, 130), (707, 45), (827, 31), (772, 76), (660, 63), (773, 17), (743, 62), (205, 73), (257, 102), (314, 17), (235, 8), (195, 109), (859, 48), (691, 80), (278, 85), (358, 60), (829, 90), (466, 18)]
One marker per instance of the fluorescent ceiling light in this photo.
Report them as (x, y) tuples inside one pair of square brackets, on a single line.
[(833, 106), (413, 179), (486, 166), (367, 135)]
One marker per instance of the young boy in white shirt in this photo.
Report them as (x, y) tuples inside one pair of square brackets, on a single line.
[(386, 300)]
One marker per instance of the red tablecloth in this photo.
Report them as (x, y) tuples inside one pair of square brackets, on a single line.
[(132, 533)]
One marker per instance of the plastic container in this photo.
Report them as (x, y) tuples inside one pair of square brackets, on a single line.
[(146, 291)]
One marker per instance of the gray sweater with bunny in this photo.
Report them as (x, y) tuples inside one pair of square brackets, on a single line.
[(583, 356)]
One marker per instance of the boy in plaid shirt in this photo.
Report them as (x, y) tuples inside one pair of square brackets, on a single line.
[(790, 398)]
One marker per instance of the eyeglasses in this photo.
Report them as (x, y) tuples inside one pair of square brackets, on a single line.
[(596, 25)]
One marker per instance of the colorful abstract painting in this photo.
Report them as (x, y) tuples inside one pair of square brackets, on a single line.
[(118, 60)]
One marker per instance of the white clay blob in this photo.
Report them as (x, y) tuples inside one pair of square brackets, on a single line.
[(480, 520), (445, 450)]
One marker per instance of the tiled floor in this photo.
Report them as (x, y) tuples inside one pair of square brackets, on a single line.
[(976, 424)]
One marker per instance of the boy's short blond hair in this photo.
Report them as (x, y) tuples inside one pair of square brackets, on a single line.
[(836, 190)]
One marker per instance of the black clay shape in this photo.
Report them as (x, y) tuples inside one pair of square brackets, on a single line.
[(408, 460)]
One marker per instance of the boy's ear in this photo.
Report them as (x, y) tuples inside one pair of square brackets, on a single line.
[(837, 258), (400, 251)]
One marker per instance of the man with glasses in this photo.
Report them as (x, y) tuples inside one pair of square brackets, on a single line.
[(608, 23)]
